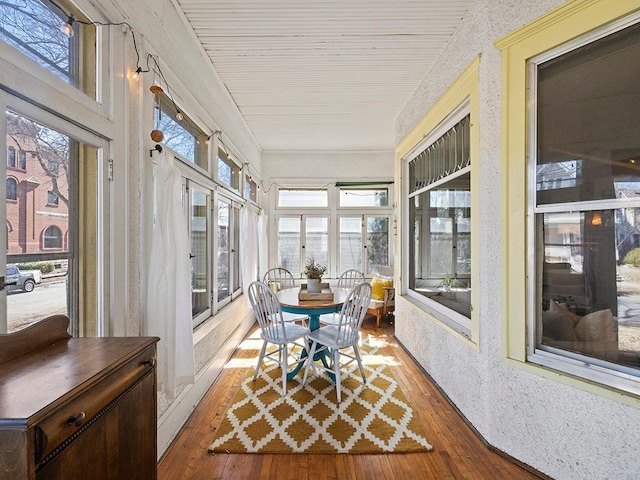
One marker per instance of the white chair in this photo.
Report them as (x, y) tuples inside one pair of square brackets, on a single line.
[(334, 339), (275, 330), (348, 279), (279, 278)]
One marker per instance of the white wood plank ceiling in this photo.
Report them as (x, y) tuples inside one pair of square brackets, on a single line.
[(323, 74)]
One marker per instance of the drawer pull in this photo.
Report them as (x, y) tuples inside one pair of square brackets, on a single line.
[(151, 362), (76, 419)]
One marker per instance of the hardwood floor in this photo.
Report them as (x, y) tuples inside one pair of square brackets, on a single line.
[(458, 452)]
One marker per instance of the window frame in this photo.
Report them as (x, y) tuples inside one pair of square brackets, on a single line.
[(101, 37), (558, 29), (14, 187), (234, 277), (46, 237), (325, 190), (189, 185), (201, 143), (574, 362), (460, 99), (363, 218), (303, 217), (333, 212), (346, 190), (52, 199), (455, 320), (225, 158), (12, 157), (90, 317)]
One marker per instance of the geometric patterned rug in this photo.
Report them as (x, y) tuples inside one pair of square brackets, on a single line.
[(374, 417)]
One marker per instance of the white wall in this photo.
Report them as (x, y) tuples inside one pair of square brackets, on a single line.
[(562, 431), (344, 166), (195, 86)]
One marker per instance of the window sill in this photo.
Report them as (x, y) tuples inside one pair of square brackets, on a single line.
[(442, 316), (597, 379)]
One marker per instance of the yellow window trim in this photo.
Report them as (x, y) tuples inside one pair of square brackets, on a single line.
[(465, 86), (553, 29)]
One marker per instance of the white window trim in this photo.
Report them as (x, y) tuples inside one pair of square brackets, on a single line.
[(332, 211), (456, 321)]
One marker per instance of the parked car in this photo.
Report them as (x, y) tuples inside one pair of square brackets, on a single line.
[(18, 280), (37, 275)]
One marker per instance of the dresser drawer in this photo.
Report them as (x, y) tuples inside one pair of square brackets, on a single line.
[(73, 417)]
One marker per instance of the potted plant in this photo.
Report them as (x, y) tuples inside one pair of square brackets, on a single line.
[(448, 282), (313, 272)]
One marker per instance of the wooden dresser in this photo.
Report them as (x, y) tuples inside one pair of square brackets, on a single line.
[(76, 408)]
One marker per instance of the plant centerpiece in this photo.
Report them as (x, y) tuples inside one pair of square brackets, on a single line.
[(314, 272)]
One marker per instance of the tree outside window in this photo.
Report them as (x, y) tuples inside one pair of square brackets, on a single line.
[(33, 27)]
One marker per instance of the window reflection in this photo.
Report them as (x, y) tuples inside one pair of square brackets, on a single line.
[(588, 253), (591, 283), (199, 252), (442, 244)]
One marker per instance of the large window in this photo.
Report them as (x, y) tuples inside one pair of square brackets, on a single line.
[(250, 189), (11, 157), (228, 240), (12, 188), (303, 197), (585, 201), (228, 171), (439, 200), (341, 227), (43, 217), (440, 219), (52, 237), (363, 243), (181, 134), (34, 28), (301, 237), (199, 224)]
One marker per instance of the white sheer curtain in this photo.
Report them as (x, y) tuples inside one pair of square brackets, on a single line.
[(248, 245), (169, 282), (263, 244)]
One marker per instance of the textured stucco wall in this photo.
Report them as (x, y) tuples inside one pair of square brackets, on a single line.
[(564, 432)]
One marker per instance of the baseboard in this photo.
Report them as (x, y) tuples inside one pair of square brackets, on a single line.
[(513, 460), (172, 420)]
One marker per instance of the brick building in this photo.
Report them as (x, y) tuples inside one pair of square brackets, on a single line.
[(37, 189)]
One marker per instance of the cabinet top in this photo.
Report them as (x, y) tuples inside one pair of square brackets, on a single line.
[(31, 381)]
